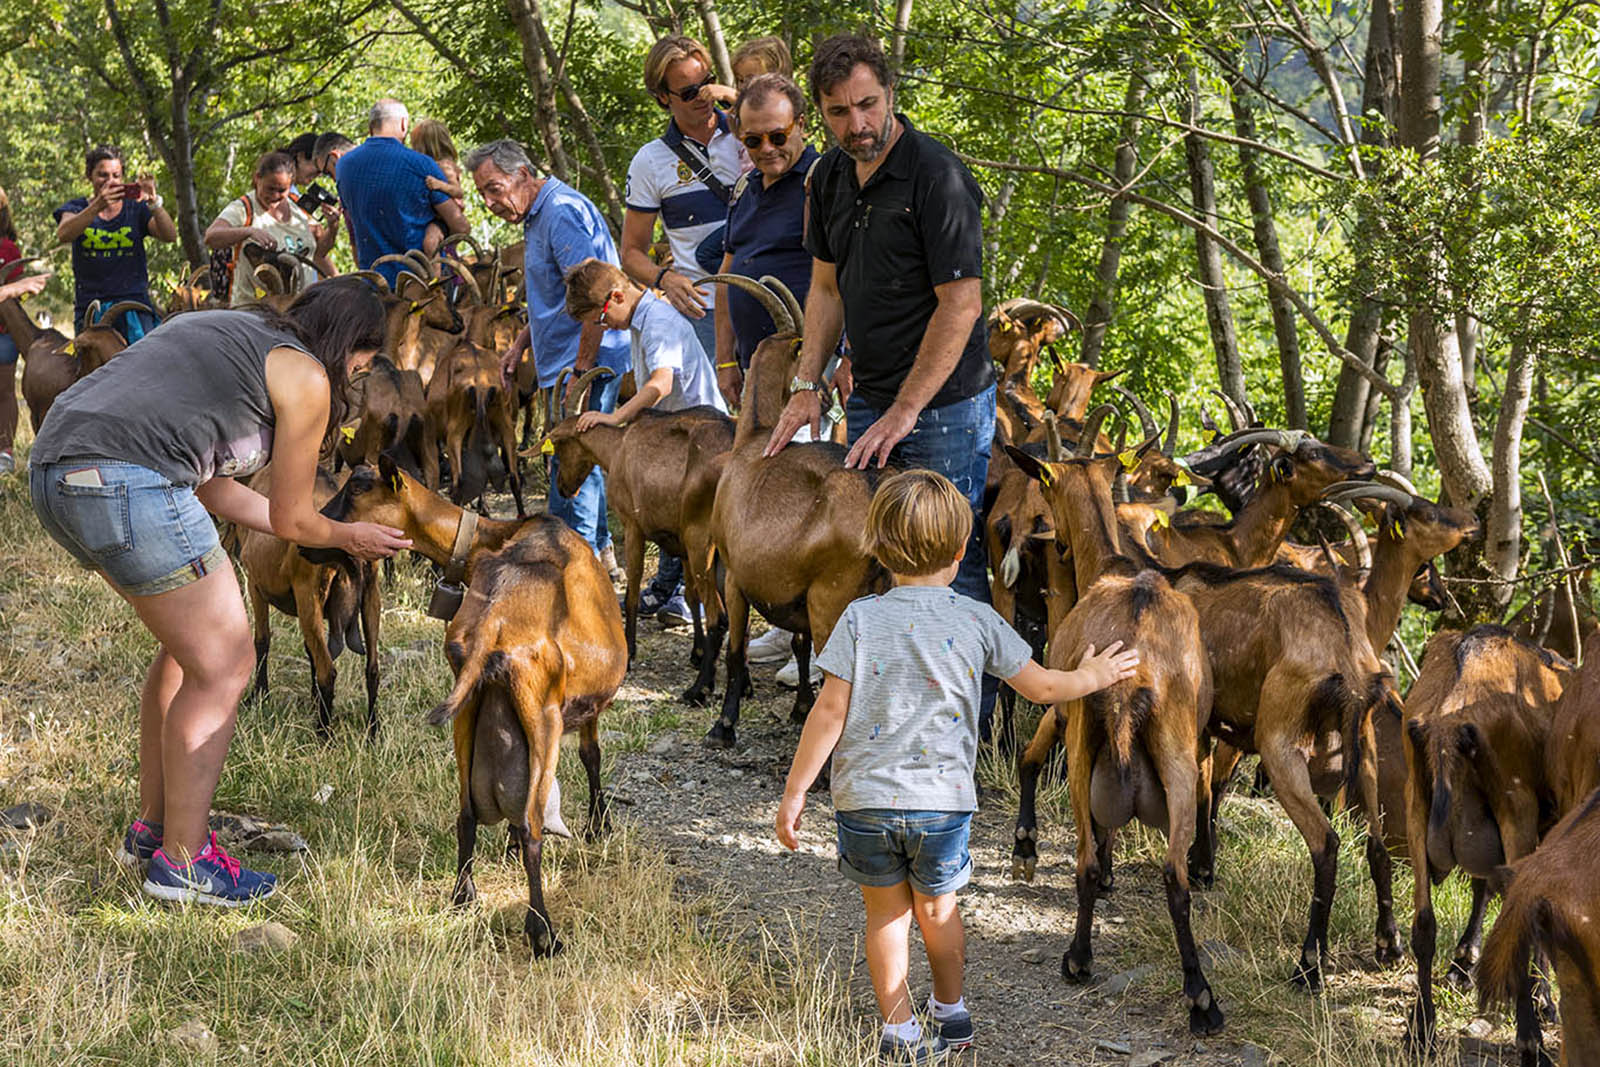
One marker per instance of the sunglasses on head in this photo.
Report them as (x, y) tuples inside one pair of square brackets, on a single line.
[(778, 138), (689, 92)]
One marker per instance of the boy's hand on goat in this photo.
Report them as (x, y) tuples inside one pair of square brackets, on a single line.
[(788, 821), (370, 540), (1109, 666)]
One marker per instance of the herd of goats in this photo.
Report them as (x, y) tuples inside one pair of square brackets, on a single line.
[(1249, 643)]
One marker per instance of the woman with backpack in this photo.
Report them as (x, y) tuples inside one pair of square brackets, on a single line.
[(266, 216)]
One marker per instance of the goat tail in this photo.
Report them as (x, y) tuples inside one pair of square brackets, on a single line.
[(1525, 917), (1359, 710), (1122, 718), (467, 679)]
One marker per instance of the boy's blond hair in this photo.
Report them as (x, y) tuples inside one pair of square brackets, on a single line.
[(589, 284), (771, 52), (918, 523)]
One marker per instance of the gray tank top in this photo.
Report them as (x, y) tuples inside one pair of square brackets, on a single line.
[(189, 400)]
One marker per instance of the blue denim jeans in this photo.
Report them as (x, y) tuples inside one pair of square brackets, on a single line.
[(953, 440), (585, 510), (8, 351), (881, 847), (133, 324)]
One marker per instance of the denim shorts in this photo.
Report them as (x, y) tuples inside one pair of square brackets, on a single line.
[(145, 534), (878, 847)]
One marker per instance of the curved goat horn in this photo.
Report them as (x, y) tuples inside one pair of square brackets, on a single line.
[(1346, 491), (1172, 426), (1236, 413), (1147, 421), (1091, 429), (121, 307), (1357, 532), (584, 383), (462, 238), (1398, 480), (429, 271), (267, 276), (1052, 435), (767, 298), (372, 276), (796, 312), (469, 284)]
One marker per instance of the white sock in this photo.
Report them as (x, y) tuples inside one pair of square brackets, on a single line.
[(909, 1031), (942, 1012)]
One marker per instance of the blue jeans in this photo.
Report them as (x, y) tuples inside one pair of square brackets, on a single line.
[(880, 847), (8, 349), (133, 324), (141, 531), (585, 510), (953, 440)]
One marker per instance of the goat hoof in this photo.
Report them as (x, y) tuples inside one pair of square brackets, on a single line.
[(1387, 950), (1459, 976), (1023, 868), (720, 735), (696, 697), (1201, 877), (797, 715), (1308, 976), (1108, 885), (1208, 1020), (1419, 1033), (542, 938), (1074, 971), (464, 894)]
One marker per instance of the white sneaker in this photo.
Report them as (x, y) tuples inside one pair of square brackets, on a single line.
[(770, 647), (789, 674)]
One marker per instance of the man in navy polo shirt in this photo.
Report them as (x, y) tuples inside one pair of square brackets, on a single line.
[(896, 237), (384, 193), (561, 228)]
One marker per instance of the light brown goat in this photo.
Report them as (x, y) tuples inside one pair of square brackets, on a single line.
[(473, 416), (387, 412), (51, 361), (1478, 795), (537, 650), (1133, 750)]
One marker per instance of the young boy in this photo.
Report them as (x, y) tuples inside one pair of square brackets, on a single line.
[(671, 371), (900, 700)]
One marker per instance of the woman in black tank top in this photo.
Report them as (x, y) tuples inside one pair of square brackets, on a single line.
[(123, 473)]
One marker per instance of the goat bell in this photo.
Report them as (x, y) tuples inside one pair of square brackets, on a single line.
[(446, 600)]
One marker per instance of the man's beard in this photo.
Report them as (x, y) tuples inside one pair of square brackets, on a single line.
[(865, 151)]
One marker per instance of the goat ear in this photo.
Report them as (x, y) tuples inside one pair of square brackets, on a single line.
[(1103, 376), (1468, 740), (389, 471), (1418, 734), (1281, 469), (1032, 466)]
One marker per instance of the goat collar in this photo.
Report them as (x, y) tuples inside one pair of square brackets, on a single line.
[(466, 528)]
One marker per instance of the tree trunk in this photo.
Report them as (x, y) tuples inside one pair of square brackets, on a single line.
[(1379, 97), (1266, 235), (1098, 315), (1502, 542), (715, 41), (1474, 84), (1214, 285), (1432, 343), (578, 114), (179, 154), (529, 21), (897, 43)]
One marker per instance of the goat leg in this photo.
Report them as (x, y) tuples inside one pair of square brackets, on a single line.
[(1291, 782), (1530, 1036), (1420, 1020), (633, 563), (1179, 777), (589, 753), (322, 695), (263, 630), (1386, 947), (804, 695), (1025, 846), (723, 732), (1467, 950), (1224, 764), (371, 616), (1077, 962), (540, 931), (1202, 853), (691, 597), (466, 843), (1103, 851)]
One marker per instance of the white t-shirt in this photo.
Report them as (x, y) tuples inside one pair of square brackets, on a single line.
[(664, 337), (292, 236), (658, 181)]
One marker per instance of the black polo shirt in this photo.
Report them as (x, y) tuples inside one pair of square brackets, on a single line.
[(916, 224)]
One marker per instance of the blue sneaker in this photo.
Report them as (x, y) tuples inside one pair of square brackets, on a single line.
[(139, 844), (955, 1030), (675, 612), (213, 877), (899, 1050)]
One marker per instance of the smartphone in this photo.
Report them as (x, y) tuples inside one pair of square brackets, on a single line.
[(131, 189)]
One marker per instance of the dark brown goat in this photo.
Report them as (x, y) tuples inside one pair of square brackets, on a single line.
[(537, 649), (1549, 909), (1133, 750), (473, 416), (1572, 755), (52, 361), (1478, 795), (388, 412), (336, 605), (661, 480)]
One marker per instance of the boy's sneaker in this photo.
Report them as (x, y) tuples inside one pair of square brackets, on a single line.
[(139, 844), (213, 877), (930, 1049), (955, 1030), (770, 647), (788, 675)]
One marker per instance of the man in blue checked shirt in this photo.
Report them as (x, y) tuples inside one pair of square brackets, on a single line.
[(384, 193), (562, 228)]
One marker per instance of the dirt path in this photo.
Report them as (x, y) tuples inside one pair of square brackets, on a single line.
[(712, 812)]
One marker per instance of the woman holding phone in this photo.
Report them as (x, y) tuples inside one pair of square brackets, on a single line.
[(106, 231), (122, 476)]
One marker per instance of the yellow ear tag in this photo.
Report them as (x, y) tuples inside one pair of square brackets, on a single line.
[(1183, 478), (548, 448), (1046, 476), (1161, 520), (1208, 435), (1398, 531), (72, 346), (1129, 460), (415, 305), (348, 432)]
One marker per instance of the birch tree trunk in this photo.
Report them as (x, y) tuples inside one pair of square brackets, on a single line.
[(1502, 542), (1348, 422), (715, 41), (1266, 237), (897, 43), (1098, 315), (529, 21), (1214, 285)]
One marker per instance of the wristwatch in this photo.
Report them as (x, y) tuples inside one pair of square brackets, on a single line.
[(798, 384)]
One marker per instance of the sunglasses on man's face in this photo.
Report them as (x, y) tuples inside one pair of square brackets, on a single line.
[(778, 138), (689, 92)]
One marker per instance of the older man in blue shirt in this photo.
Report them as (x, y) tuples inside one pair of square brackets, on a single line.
[(562, 228)]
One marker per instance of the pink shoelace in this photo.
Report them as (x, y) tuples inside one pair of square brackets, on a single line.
[(214, 852)]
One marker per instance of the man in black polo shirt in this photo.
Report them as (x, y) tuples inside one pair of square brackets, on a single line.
[(896, 240)]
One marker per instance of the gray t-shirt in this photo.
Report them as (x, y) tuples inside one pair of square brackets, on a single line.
[(188, 400), (914, 658)]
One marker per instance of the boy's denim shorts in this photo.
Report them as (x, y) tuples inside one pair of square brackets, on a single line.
[(145, 534), (879, 847)]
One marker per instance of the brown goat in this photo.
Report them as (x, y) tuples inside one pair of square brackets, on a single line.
[(1478, 796), (52, 361), (335, 604), (473, 416), (1021, 330), (1572, 755), (1549, 908), (661, 480), (388, 412), (789, 531), (537, 650), (1133, 750)]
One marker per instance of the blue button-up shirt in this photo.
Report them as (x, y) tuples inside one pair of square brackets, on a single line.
[(385, 197), (562, 229), (766, 235)]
